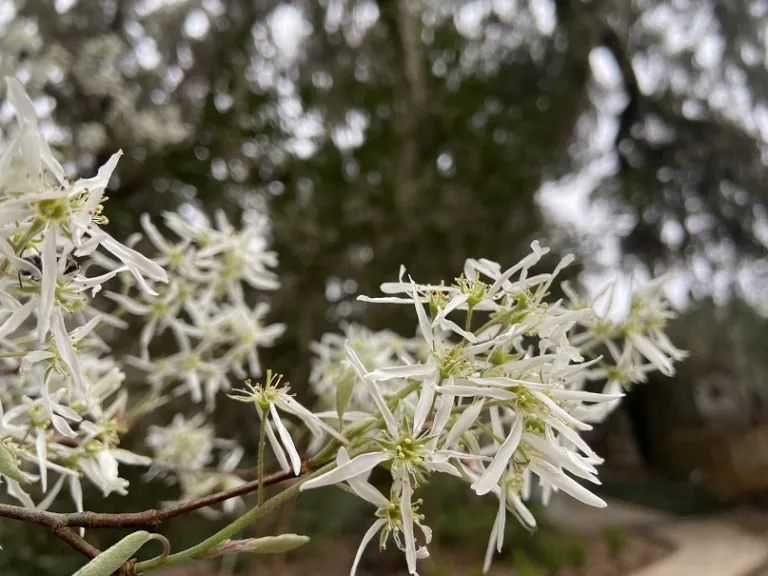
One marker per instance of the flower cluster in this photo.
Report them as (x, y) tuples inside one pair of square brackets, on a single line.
[(498, 401), (64, 405), (184, 452), (63, 400), (203, 306)]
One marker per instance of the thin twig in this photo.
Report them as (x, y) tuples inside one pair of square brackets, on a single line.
[(147, 518), (72, 538)]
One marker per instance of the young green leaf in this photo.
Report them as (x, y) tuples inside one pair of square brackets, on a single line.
[(9, 466), (115, 556), (344, 389)]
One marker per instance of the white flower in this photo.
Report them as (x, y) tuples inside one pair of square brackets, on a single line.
[(396, 517), (408, 451), (248, 332), (267, 398), (100, 461), (184, 444), (62, 210), (161, 310)]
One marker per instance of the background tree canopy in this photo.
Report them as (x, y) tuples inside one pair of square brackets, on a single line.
[(421, 132)]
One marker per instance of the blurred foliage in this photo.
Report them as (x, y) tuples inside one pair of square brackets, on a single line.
[(616, 539), (525, 566), (413, 132)]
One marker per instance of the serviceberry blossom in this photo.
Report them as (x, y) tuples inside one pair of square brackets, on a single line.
[(64, 405), (184, 453), (216, 331), (498, 400), (271, 398)]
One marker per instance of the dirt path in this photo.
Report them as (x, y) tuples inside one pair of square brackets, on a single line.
[(708, 547), (705, 546)]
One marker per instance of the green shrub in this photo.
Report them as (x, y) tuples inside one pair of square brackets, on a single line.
[(553, 551), (578, 550), (525, 566), (616, 539)]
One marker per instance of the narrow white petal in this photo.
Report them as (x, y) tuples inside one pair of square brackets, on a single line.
[(468, 336), (41, 447), (358, 465), (7, 251), (82, 331), (128, 457), (373, 390), (360, 486), (367, 537), (652, 354), (496, 468), (442, 414), (276, 448), (567, 260), (129, 256), (496, 424), (452, 305), (444, 467), (76, 492), (560, 412), (571, 435), (444, 455), (146, 335), (128, 304), (312, 421), (15, 490), (491, 547), (411, 371), (285, 437), (64, 347), (407, 518), (16, 319), (94, 283), (478, 391), (501, 514), (385, 300), (561, 457), (525, 493), (521, 510), (464, 423), (501, 280), (10, 151), (559, 479), (21, 103), (424, 323), (423, 407), (48, 285), (62, 427), (97, 184), (46, 502), (407, 287), (563, 394)]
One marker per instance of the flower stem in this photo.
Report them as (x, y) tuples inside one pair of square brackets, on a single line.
[(468, 322), (231, 529), (37, 225), (260, 463)]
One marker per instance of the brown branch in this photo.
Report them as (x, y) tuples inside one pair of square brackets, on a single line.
[(75, 541), (147, 518)]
